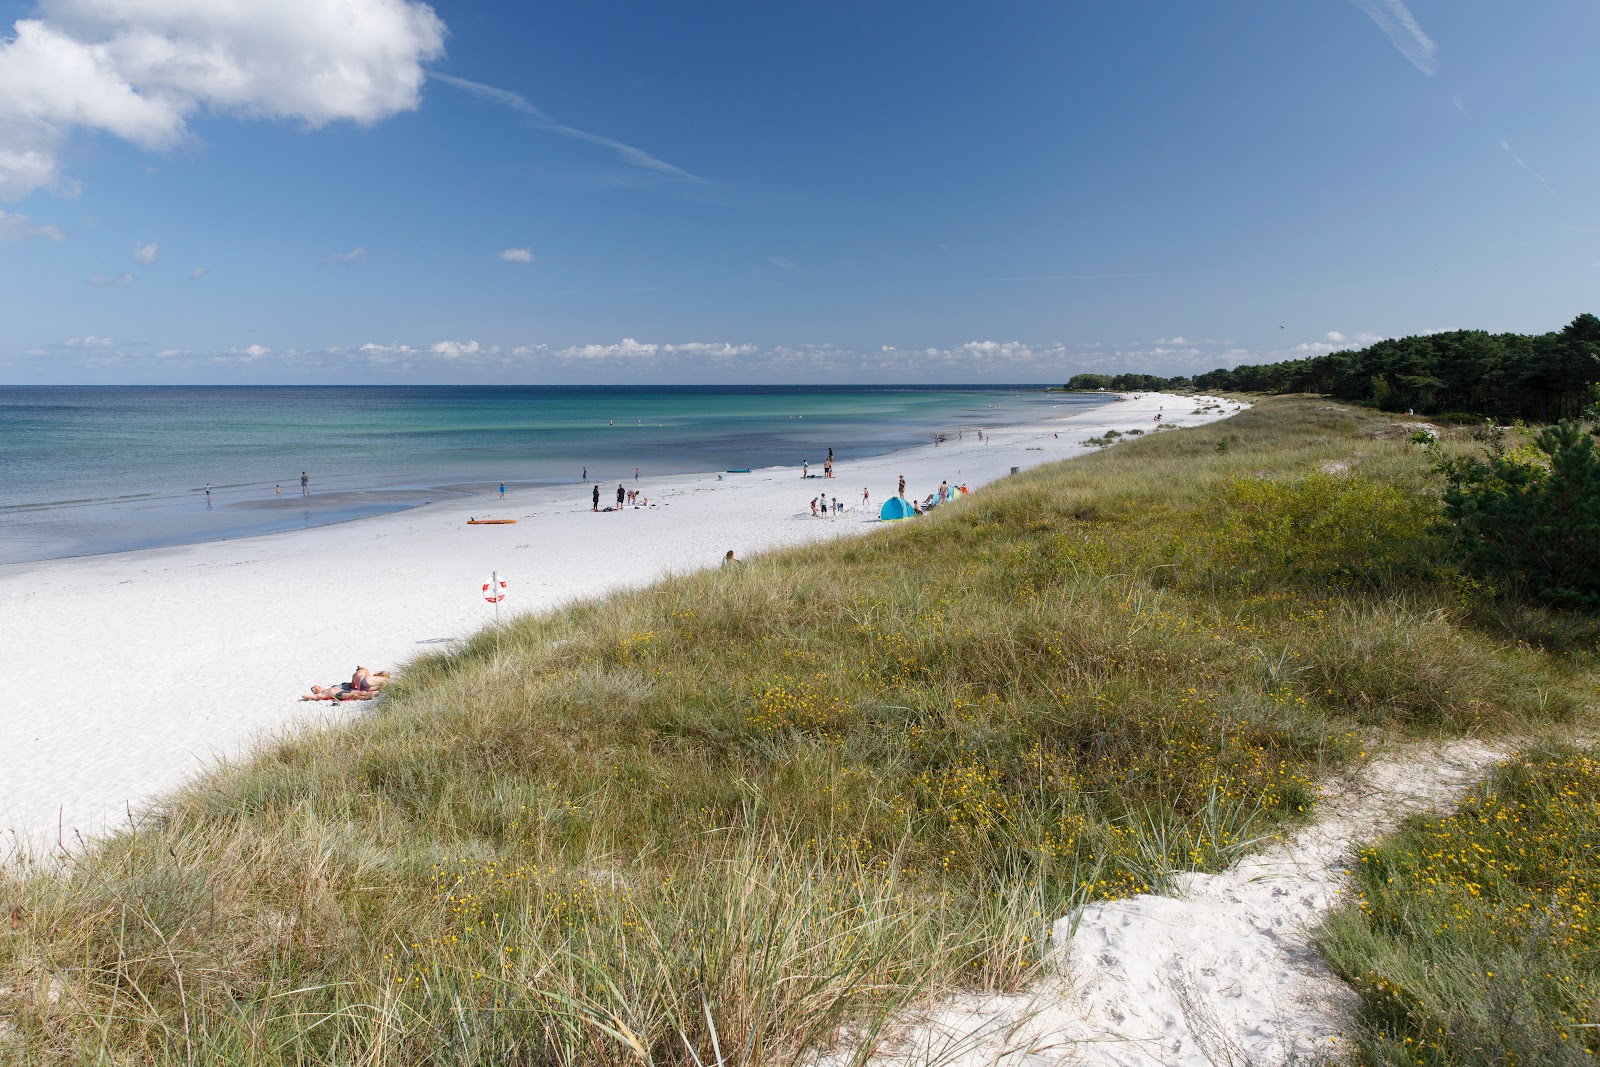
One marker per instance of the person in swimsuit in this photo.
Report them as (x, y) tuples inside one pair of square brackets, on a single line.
[(502, 490), (363, 685), (305, 484), (902, 485)]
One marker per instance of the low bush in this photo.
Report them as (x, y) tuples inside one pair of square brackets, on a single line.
[(1528, 516)]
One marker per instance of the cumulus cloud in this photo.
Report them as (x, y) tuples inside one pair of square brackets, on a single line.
[(145, 254), (1335, 335), (18, 228), (517, 255), (138, 69), (113, 281), (90, 341), (455, 349), (355, 255), (628, 348), (1400, 26)]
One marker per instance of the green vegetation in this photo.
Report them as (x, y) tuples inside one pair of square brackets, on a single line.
[(1528, 517), (1540, 377), (738, 814), (1476, 938)]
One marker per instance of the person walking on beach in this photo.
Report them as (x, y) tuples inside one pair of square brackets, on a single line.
[(277, 490), (866, 496), (502, 490), (305, 484), (902, 485), (586, 475), (622, 494), (208, 494), (805, 468), (597, 496)]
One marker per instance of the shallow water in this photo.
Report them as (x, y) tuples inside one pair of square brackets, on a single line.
[(101, 469)]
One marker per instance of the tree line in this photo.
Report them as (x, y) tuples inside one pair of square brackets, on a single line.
[(1539, 377)]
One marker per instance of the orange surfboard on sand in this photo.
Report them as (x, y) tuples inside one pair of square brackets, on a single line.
[(491, 522)]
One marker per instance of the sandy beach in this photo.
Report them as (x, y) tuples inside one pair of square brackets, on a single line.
[(128, 673)]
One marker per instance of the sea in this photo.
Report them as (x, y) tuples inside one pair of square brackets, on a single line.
[(94, 469)]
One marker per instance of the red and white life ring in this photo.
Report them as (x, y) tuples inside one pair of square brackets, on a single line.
[(492, 594)]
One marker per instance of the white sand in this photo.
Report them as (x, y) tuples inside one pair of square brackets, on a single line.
[(123, 674), (1223, 974)]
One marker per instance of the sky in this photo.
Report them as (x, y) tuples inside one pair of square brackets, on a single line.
[(390, 191)]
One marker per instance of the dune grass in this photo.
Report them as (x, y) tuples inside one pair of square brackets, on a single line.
[(740, 816), (1476, 936)]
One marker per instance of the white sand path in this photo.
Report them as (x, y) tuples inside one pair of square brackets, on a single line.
[(1222, 975), (121, 675)]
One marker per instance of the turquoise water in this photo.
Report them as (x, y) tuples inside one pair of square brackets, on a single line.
[(102, 469)]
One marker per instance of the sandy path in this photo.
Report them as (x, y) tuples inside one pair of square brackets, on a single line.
[(1226, 974), (120, 675)]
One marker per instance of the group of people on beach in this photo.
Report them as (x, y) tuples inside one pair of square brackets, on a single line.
[(625, 497)]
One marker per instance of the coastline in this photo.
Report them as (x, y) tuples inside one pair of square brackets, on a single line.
[(143, 668)]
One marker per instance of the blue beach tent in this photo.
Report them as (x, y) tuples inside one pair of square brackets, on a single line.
[(895, 508)]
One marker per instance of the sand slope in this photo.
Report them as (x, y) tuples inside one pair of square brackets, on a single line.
[(122, 674), (1225, 972)]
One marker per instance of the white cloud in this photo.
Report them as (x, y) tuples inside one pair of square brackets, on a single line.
[(355, 255), (18, 228), (455, 349), (126, 278), (256, 351), (1335, 335), (145, 254), (90, 341), (1397, 22), (628, 348), (536, 117), (198, 273), (517, 255), (1171, 341), (137, 69)]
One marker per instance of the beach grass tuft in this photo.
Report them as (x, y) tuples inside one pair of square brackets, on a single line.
[(748, 814)]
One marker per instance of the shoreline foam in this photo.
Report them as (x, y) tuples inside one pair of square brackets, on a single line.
[(128, 673)]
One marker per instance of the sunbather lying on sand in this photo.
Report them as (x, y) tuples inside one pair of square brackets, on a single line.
[(363, 685)]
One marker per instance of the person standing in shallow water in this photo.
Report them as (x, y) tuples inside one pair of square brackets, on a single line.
[(305, 484)]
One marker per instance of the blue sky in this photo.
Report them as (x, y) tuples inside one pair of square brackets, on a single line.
[(382, 190)]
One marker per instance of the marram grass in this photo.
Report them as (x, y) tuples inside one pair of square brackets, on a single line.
[(742, 815)]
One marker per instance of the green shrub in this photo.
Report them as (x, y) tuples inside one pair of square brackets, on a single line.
[(1529, 516)]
